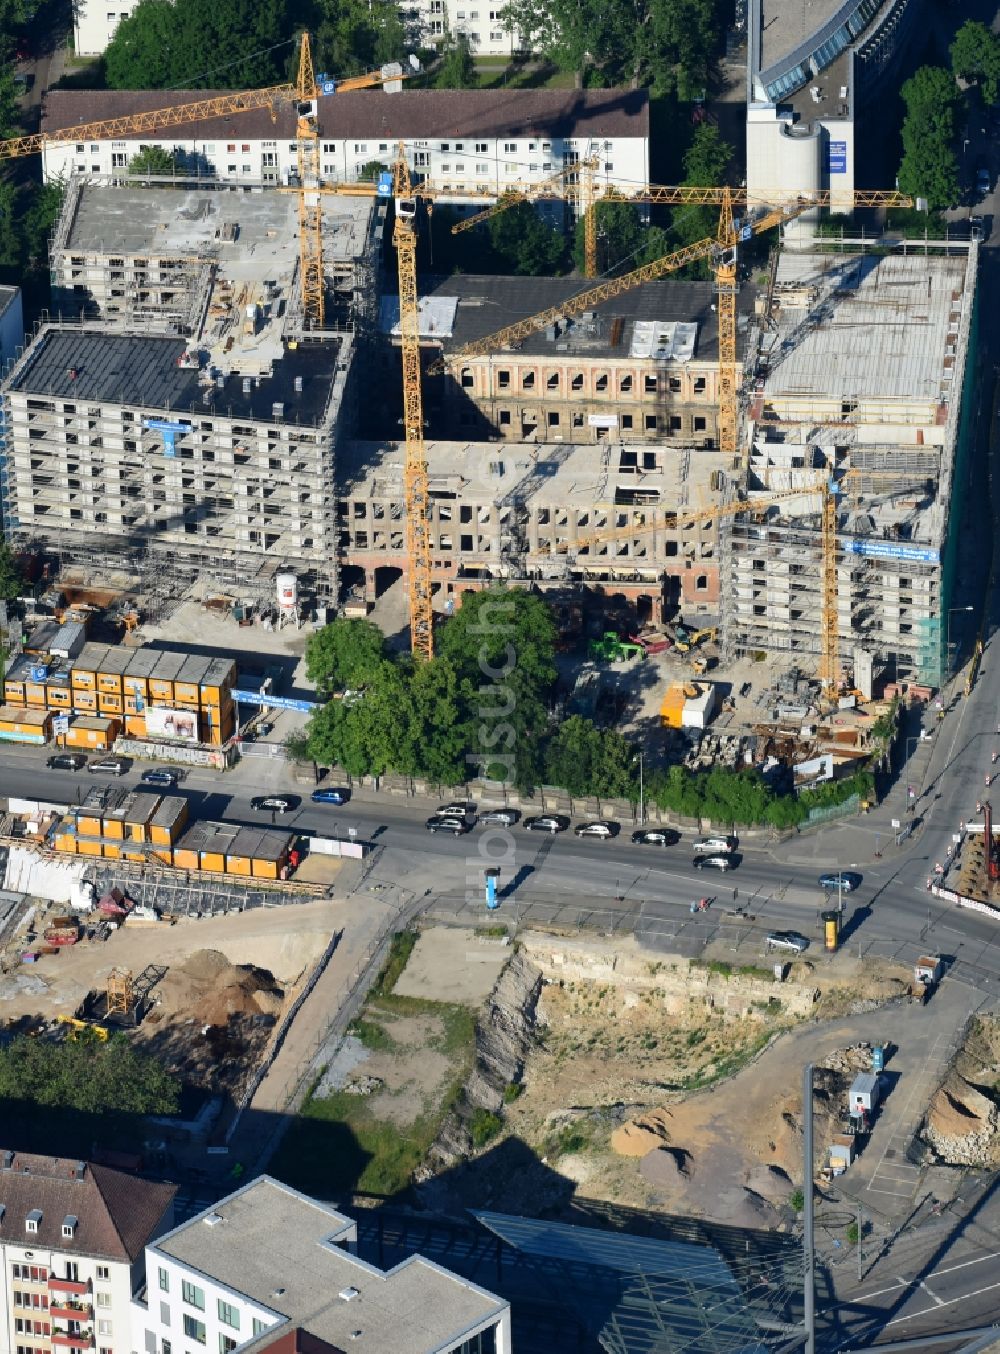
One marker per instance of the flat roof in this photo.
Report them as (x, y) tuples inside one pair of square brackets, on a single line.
[(231, 839), (24, 714), (372, 114), (80, 363), (184, 221), (278, 1248), (862, 327), (554, 474), (486, 304), (791, 30)]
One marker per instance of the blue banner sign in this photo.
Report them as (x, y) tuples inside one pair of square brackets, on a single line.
[(274, 702), (836, 157), (924, 554)]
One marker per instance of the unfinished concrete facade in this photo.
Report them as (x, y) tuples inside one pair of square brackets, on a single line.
[(643, 367), (194, 417), (568, 514), (863, 387)]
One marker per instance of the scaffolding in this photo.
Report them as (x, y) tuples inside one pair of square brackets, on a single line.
[(120, 993)]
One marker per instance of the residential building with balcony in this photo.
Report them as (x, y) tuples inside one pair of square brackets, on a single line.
[(270, 1268), (72, 1239)]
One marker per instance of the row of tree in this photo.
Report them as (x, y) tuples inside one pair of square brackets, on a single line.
[(483, 706), (669, 45), (934, 102)]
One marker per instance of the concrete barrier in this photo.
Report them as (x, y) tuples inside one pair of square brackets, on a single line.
[(337, 846)]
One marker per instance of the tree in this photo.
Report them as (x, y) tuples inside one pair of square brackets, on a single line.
[(86, 1075), (623, 242), (371, 169), (437, 732), (524, 242), (344, 654), (45, 204), (975, 58), (929, 168), (370, 736), (667, 44), (232, 44), (354, 36), (10, 237), (501, 644), (457, 69), (11, 577), (586, 760), (152, 160), (706, 163)]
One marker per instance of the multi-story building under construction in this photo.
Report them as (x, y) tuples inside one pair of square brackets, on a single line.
[(863, 390), (187, 413)]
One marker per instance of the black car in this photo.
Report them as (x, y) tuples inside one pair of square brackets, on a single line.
[(713, 863), (67, 761), (274, 803), (442, 823), (843, 880), (547, 822), (500, 817), (656, 836)]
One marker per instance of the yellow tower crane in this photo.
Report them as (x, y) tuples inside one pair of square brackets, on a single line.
[(305, 92), (415, 480), (728, 237)]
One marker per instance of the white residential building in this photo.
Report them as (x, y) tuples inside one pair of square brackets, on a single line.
[(267, 1264), (481, 21), (94, 24), (476, 140), (72, 1238)]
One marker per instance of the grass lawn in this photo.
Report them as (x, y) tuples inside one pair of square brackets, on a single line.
[(494, 73), (340, 1142)]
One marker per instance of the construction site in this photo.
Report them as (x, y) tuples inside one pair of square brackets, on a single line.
[(774, 459)]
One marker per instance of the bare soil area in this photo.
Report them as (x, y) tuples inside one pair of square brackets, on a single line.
[(962, 1120), (690, 1110)]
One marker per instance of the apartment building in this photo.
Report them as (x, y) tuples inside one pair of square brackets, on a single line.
[(866, 382), (270, 1268), (431, 21), (615, 519), (474, 141), (642, 367), (72, 1253), (191, 415), (94, 25)]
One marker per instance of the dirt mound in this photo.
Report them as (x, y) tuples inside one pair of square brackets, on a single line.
[(961, 1124), (208, 990), (771, 1183), (637, 1137), (663, 1166)]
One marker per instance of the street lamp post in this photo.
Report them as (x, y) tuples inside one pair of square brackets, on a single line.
[(951, 611)]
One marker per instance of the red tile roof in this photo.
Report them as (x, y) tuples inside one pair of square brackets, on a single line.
[(418, 114), (116, 1213)]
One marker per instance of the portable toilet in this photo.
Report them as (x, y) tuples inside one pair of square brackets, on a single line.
[(863, 1095), (878, 1059)]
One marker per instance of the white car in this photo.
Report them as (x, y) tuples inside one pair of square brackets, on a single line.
[(711, 846), (600, 828)]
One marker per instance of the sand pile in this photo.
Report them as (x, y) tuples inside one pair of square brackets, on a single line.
[(961, 1125), (208, 990), (646, 1133)]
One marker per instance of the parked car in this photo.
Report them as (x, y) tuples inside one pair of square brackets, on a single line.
[(459, 807), (456, 826), (977, 227), (165, 778), (714, 845), (713, 863), (109, 766), (502, 817), (599, 828), (984, 181), (847, 880), (547, 822), (656, 836), (329, 794), (67, 761), (787, 940), (274, 803), (23, 81)]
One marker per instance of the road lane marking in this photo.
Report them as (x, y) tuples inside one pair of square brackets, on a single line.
[(927, 1311), (922, 1284)]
